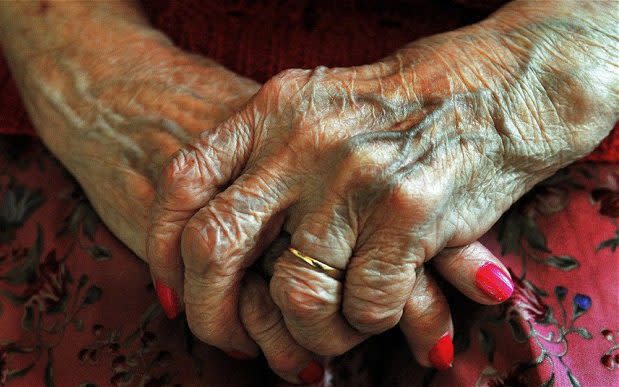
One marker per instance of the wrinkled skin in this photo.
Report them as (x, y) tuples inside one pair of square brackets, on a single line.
[(375, 169), (114, 112)]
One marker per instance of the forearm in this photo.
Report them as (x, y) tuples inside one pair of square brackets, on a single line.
[(112, 98), (95, 75), (50, 45)]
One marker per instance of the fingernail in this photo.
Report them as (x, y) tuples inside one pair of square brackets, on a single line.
[(312, 373), (238, 355), (442, 354), (167, 299), (493, 281)]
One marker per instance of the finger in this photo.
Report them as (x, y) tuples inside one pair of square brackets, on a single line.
[(218, 244), (187, 182), (379, 280), (310, 299), (426, 323), (476, 272), (381, 272), (266, 327)]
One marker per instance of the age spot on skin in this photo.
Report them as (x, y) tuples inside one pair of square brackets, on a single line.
[(43, 7)]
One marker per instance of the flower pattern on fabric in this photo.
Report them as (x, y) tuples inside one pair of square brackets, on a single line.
[(135, 358), (16, 206), (525, 303), (528, 313), (4, 369), (51, 305), (608, 197), (48, 290)]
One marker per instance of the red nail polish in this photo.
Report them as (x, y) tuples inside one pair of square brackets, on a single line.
[(238, 355), (493, 281), (442, 354), (167, 299), (312, 373)]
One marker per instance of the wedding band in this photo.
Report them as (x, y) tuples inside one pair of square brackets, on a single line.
[(316, 264)]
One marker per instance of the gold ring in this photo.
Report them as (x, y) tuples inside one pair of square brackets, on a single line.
[(316, 264)]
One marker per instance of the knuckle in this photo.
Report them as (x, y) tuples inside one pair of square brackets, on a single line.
[(403, 197), (168, 192), (385, 264), (295, 300), (183, 180), (258, 314), (323, 240), (288, 85), (290, 75), (302, 305), (284, 83), (266, 327), (372, 318), (222, 150), (423, 199), (371, 313), (201, 253), (181, 163), (376, 294), (363, 166), (377, 264)]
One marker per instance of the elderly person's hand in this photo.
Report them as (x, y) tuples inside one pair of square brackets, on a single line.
[(375, 169)]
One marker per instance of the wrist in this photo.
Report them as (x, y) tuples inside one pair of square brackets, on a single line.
[(565, 53), (545, 78)]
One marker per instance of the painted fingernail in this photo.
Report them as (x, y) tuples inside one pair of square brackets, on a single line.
[(312, 373), (493, 281), (167, 299), (238, 355), (442, 354)]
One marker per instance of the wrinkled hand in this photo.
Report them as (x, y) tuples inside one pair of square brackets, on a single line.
[(374, 170), (324, 154)]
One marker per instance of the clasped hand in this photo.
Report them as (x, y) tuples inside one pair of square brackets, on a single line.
[(373, 170)]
